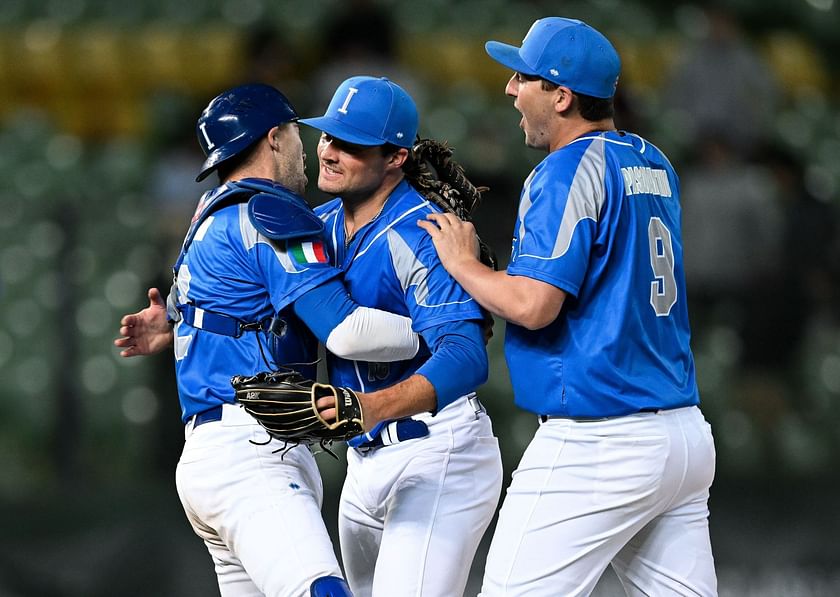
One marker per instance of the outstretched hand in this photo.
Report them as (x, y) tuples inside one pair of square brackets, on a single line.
[(145, 332), (455, 240)]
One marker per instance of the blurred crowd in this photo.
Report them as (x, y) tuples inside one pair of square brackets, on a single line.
[(100, 185)]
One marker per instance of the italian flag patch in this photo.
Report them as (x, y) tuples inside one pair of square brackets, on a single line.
[(309, 252)]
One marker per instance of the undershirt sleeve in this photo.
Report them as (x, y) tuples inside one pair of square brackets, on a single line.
[(353, 332), (458, 364)]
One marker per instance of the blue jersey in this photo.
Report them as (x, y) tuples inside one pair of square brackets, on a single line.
[(600, 219), (233, 270), (391, 264)]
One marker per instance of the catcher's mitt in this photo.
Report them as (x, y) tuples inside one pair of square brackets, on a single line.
[(283, 402), (440, 179)]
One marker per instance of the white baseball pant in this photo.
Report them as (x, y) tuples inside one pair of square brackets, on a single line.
[(259, 512), (412, 514), (628, 491)]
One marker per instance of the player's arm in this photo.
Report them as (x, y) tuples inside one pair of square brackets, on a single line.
[(346, 329), (145, 332), (525, 301), (353, 332), (458, 365)]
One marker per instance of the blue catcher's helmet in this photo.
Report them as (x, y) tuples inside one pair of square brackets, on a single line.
[(235, 119)]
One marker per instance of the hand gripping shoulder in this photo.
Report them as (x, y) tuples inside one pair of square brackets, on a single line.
[(278, 213)]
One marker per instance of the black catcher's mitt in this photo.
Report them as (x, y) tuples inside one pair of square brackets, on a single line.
[(283, 402), (440, 179)]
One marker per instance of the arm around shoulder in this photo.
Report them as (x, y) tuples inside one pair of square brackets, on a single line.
[(525, 301), (521, 300), (351, 331)]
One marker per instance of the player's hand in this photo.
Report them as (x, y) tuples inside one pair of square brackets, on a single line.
[(456, 241), (145, 332), (326, 407)]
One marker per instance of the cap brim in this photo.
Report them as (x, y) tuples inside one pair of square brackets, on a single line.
[(508, 55), (340, 130)]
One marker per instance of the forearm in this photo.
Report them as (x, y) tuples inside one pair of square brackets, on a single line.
[(522, 300), (513, 298), (404, 399)]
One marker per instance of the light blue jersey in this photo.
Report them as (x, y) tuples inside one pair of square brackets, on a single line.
[(391, 264), (233, 270), (600, 219)]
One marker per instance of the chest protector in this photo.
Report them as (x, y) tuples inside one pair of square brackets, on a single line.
[(277, 213)]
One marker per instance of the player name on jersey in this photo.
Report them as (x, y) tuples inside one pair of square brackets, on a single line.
[(639, 180)]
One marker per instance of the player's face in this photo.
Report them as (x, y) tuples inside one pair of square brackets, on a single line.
[(349, 170), (537, 108), (290, 162)]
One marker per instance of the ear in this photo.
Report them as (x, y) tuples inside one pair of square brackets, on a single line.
[(272, 136), (563, 99), (398, 158)]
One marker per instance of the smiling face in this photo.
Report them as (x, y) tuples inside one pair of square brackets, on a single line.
[(538, 108), (349, 170)]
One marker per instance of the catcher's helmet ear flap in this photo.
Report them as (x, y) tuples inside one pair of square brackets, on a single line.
[(235, 119)]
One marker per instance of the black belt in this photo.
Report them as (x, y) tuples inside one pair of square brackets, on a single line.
[(544, 418), (213, 414)]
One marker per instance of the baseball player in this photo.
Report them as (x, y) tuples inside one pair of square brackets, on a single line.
[(420, 490), (252, 271), (597, 341)]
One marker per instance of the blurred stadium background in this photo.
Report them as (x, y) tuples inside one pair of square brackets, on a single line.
[(98, 100)]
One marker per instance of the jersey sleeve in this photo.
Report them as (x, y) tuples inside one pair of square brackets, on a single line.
[(292, 267), (431, 295), (557, 222)]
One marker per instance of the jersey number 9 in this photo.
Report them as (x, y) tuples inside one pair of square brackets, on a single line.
[(663, 288)]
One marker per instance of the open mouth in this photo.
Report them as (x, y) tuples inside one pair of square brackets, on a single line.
[(328, 172)]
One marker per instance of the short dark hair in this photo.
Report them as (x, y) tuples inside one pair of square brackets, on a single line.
[(595, 108), (389, 148), (590, 108)]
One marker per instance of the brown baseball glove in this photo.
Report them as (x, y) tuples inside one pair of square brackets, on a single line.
[(432, 170)]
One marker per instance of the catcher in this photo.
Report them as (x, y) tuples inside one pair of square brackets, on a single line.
[(250, 274)]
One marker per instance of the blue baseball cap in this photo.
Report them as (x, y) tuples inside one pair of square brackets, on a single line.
[(567, 52), (369, 111)]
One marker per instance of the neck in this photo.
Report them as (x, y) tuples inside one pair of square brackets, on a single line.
[(252, 171), (361, 209), (577, 128)]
